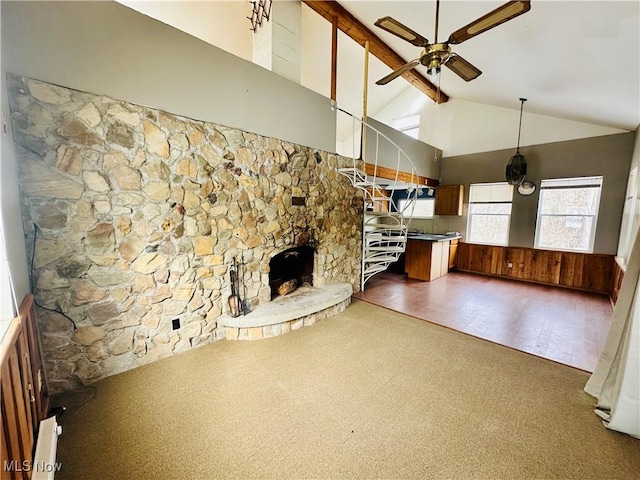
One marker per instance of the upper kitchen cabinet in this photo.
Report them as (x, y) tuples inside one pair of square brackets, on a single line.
[(449, 200)]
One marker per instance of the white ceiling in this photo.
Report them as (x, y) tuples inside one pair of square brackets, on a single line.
[(577, 60)]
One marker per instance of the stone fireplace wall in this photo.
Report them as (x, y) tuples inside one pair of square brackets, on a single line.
[(140, 213)]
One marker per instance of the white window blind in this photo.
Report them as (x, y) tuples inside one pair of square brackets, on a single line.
[(567, 213), (489, 213), (423, 208)]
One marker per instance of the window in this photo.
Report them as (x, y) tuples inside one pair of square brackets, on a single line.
[(424, 205), (489, 213), (567, 213), (422, 209), (408, 125)]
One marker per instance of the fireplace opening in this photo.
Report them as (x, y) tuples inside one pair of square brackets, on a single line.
[(291, 269)]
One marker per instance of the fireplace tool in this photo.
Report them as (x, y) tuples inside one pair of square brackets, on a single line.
[(235, 305), (244, 306)]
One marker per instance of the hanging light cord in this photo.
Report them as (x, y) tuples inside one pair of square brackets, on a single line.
[(522, 100)]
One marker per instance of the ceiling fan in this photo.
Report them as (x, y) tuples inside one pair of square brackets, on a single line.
[(437, 54)]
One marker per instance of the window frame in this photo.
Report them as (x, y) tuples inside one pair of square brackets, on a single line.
[(501, 202), (594, 223)]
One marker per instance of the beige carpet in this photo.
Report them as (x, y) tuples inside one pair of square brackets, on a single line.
[(367, 394)]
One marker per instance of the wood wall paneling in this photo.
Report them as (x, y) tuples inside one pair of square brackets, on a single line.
[(597, 274), (23, 390), (618, 276), (584, 271)]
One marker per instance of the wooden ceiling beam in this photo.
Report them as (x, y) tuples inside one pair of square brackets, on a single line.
[(360, 33)]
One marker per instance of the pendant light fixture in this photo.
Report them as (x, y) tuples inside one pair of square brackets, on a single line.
[(517, 167)]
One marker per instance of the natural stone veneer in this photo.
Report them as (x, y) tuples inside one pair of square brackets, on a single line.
[(140, 213)]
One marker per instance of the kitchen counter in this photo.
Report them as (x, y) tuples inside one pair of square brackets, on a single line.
[(433, 237)]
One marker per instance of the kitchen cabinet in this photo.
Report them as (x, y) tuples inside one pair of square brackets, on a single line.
[(453, 254), (425, 259), (449, 200), (444, 259)]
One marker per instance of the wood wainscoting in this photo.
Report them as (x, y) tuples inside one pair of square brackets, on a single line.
[(618, 276), (24, 395), (583, 271)]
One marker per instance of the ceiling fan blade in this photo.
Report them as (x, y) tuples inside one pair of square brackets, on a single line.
[(492, 19), (462, 68), (396, 73), (399, 30)]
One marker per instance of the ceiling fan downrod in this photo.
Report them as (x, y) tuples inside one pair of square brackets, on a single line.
[(435, 36)]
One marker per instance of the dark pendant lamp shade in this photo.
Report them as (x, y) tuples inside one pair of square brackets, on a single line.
[(517, 167)]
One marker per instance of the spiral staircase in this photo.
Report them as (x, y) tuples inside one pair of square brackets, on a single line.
[(385, 219)]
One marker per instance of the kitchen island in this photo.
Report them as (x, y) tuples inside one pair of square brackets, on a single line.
[(427, 255)]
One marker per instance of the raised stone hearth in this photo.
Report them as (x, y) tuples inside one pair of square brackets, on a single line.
[(299, 309)]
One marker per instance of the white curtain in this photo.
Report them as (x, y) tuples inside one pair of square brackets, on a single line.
[(616, 379)]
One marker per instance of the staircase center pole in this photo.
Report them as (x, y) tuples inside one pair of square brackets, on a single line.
[(364, 100), (363, 149)]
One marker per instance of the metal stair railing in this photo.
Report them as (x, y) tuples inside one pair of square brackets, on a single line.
[(385, 224)]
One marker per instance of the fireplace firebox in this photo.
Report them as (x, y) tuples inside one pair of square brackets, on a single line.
[(291, 268)]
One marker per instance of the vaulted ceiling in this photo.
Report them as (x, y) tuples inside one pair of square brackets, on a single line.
[(574, 60), (577, 60)]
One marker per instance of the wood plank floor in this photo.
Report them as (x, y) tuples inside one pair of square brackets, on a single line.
[(559, 324)]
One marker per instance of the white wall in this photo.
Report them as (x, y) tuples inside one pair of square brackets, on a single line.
[(14, 251), (460, 127), (315, 67), (222, 23), (631, 213), (14, 281)]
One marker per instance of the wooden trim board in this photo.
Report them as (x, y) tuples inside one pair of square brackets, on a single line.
[(360, 33), (390, 174)]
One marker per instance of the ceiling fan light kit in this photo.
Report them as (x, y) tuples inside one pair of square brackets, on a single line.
[(517, 167), (437, 54)]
